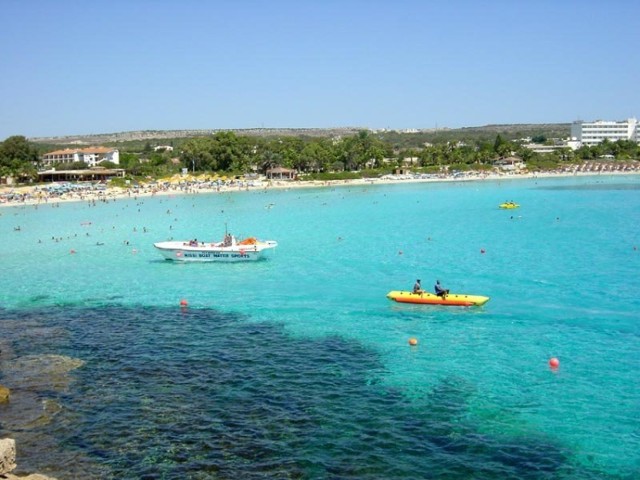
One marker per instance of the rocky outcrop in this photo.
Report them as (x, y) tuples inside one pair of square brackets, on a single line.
[(7, 456), (4, 394), (38, 372), (8, 462), (32, 379), (33, 476)]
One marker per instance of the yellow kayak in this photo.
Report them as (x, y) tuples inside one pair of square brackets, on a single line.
[(509, 205), (454, 299)]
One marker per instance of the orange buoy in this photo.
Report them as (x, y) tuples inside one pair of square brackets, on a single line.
[(183, 303), (554, 363), (413, 342)]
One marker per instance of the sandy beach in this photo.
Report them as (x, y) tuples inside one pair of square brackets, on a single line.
[(45, 194)]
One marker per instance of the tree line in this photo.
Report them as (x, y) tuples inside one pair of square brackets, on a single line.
[(364, 151)]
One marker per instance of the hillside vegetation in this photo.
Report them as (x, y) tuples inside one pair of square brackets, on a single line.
[(136, 140)]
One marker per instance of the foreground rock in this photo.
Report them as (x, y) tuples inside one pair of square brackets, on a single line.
[(7, 455), (4, 394), (33, 476), (8, 462)]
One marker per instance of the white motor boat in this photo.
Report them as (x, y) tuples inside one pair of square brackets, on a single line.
[(228, 250)]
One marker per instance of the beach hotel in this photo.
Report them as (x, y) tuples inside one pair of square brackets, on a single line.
[(91, 156), (592, 133)]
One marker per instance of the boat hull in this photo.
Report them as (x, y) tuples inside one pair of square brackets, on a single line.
[(452, 299), (183, 252)]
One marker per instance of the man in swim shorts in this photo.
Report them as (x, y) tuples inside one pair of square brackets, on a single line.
[(441, 292)]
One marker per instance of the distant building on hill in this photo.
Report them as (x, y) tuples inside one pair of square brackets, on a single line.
[(556, 146), (92, 156), (592, 133)]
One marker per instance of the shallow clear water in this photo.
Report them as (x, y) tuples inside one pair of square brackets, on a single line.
[(298, 366)]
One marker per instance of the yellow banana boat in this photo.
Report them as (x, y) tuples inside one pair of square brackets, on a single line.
[(509, 205), (453, 299)]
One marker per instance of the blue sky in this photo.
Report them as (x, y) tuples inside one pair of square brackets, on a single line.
[(79, 67)]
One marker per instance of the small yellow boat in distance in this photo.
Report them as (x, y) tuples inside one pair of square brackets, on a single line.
[(452, 299), (509, 205)]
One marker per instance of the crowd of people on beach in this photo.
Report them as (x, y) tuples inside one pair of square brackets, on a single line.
[(100, 192)]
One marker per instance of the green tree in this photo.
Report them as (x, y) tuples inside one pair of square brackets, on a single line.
[(197, 153), (501, 146), (289, 150), (129, 160), (227, 151), (318, 155), (16, 152), (269, 159)]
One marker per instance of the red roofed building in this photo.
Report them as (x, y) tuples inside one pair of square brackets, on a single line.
[(92, 156)]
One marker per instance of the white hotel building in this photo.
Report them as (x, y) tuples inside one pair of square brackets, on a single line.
[(90, 156), (592, 133)]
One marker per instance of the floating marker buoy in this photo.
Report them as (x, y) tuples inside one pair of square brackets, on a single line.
[(72, 251), (400, 252), (482, 250), (554, 362), (413, 342), (183, 303)]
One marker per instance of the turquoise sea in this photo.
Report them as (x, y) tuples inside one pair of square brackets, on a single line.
[(299, 366)]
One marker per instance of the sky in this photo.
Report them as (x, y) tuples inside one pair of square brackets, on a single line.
[(88, 67)]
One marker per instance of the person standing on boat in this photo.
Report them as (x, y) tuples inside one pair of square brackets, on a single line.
[(441, 292), (417, 287)]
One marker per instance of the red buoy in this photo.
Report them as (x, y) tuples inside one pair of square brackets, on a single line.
[(554, 363), (183, 303)]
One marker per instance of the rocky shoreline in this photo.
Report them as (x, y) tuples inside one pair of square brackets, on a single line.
[(27, 404), (8, 462)]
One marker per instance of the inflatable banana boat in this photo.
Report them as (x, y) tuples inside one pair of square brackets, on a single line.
[(453, 299), (509, 205)]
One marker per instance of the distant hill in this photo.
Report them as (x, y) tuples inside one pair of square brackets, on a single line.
[(470, 135), (169, 134), (487, 132)]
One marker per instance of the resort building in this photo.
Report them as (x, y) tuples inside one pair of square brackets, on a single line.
[(557, 146), (281, 173), (592, 133), (91, 156), (510, 164), (93, 174)]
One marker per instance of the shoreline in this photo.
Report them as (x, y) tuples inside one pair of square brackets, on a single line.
[(37, 195)]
